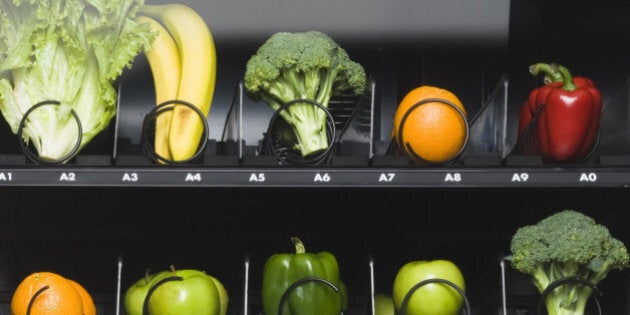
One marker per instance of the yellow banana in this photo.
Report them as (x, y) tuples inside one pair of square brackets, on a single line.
[(198, 65), (165, 64)]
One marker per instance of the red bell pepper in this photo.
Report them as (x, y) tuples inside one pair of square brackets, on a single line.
[(560, 120), (538, 96)]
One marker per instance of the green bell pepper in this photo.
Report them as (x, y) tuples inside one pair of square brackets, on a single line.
[(312, 280)]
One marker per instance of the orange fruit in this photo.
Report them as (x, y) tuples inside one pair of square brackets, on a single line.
[(433, 132), (57, 296), (86, 299)]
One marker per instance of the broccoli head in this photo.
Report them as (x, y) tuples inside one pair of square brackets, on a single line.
[(303, 66), (567, 244)]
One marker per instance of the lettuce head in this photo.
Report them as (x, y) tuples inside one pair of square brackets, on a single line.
[(71, 52)]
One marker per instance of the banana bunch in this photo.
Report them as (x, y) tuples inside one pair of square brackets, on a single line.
[(183, 63)]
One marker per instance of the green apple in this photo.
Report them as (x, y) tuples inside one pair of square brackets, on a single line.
[(343, 290), (433, 298), (137, 292), (223, 295), (186, 291), (383, 304), (196, 293)]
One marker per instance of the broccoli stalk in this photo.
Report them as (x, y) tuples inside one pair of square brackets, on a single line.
[(567, 244), (297, 66)]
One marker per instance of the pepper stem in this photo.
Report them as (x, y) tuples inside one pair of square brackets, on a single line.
[(550, 70), (299, 246), (567, 78), (554, 73)]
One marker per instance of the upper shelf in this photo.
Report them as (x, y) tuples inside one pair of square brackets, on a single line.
[(358, 159)]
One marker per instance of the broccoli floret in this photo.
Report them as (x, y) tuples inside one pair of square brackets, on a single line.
[(567, 244), (303, 65)]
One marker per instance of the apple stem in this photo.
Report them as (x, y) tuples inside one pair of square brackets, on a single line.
[(172, 268), (146, 275)]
